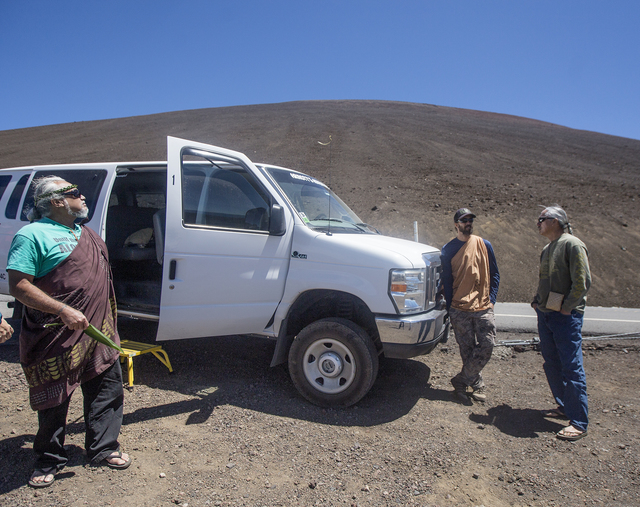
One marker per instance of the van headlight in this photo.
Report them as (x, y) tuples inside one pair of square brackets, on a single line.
[(407, 290)]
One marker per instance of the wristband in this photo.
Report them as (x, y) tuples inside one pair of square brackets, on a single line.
[(62, 308)]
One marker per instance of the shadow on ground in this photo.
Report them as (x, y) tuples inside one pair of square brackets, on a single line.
[(517, 422)]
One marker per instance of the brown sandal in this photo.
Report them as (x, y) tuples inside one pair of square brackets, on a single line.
[(570, 433)]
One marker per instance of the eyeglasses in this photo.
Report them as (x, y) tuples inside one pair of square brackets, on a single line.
[(542, 219), (75, 193), (466, 220)]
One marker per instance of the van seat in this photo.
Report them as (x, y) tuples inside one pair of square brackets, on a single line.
[(122, 221), (159, 225)]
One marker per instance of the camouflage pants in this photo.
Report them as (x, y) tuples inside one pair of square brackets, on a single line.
[(475, 333)]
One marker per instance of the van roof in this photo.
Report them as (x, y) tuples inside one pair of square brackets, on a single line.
[(92, 165)]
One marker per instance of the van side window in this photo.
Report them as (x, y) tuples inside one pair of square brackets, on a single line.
[(4, 181), (227, 197), (89, 182), (16, 195)]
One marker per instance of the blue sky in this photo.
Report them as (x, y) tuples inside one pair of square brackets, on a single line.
[(574, 63)]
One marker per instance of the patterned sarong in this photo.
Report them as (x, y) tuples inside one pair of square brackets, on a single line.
[(56, 360)]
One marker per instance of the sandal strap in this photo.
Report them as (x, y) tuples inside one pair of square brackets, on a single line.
[(45, 471), (571, 430)]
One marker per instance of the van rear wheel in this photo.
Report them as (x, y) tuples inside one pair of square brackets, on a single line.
[(333, 363)]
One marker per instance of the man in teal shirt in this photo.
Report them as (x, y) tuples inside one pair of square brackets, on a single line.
[(60, 271)]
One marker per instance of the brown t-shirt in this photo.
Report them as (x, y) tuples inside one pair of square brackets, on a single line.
[(471, 278)]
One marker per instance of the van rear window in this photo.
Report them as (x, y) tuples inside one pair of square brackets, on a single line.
[(4, 181), (16, 195), (89, 182)]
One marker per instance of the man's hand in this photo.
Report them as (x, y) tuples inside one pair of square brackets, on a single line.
[(6, 331), (73, 318), (565, 312)]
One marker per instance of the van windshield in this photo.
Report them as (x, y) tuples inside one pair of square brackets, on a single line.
[(316, 204)]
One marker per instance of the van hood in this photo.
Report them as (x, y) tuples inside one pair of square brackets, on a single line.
[(364, 250)]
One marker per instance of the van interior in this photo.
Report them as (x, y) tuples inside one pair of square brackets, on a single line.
[(134, 235)]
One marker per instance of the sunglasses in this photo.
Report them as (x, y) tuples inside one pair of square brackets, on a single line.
[(75, 193), (466, 220), (542, 219)]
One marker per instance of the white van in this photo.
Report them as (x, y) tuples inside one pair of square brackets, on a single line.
[(211, 244)]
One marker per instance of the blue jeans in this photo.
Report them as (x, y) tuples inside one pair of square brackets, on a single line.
[(561, 347)]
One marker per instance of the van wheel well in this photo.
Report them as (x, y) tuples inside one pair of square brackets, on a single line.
[(315, 305)]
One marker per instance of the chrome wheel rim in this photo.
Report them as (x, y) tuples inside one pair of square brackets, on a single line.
[(329, 366)]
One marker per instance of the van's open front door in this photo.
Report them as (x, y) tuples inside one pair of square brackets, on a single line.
[(225, 257)]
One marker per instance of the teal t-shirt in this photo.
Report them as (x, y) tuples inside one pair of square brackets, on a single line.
[(39, 247)]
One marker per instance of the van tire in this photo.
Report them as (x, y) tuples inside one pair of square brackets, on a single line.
[(333, 362)]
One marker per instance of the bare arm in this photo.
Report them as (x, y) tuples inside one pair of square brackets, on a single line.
[(22, 288)]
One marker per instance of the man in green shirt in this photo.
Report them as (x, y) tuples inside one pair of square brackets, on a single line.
[(565, 279)]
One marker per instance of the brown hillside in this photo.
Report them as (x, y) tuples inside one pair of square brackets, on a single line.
[(396, 163)]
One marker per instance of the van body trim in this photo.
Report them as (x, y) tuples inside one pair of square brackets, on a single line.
[(138, 315)]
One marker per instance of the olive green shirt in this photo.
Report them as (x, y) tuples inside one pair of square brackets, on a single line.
[(564, 268)]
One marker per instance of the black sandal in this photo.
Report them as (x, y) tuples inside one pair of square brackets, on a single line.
[(43, 472), (116, 454)]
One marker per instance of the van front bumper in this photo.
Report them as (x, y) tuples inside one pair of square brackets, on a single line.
[(408, 336)]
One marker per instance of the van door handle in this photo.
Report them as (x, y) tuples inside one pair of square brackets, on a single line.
[(172, 269)]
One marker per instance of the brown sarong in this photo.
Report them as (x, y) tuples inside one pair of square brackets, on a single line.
[(56, 359)]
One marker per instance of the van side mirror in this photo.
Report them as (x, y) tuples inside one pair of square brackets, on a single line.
[(277, 221)]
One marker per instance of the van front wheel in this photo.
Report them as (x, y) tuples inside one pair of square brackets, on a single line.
[(333, 362)]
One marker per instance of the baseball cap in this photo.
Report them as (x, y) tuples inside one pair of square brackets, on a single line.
[(462, 212)]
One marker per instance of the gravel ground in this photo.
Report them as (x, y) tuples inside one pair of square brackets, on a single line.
[(226, 429)]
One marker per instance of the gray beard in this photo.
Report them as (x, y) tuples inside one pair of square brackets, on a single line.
[(84, 213)]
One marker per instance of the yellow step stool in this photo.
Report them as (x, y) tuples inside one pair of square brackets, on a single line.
[(132, 349)]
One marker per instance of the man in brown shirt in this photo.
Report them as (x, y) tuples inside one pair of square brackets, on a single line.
[(470, 278)]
